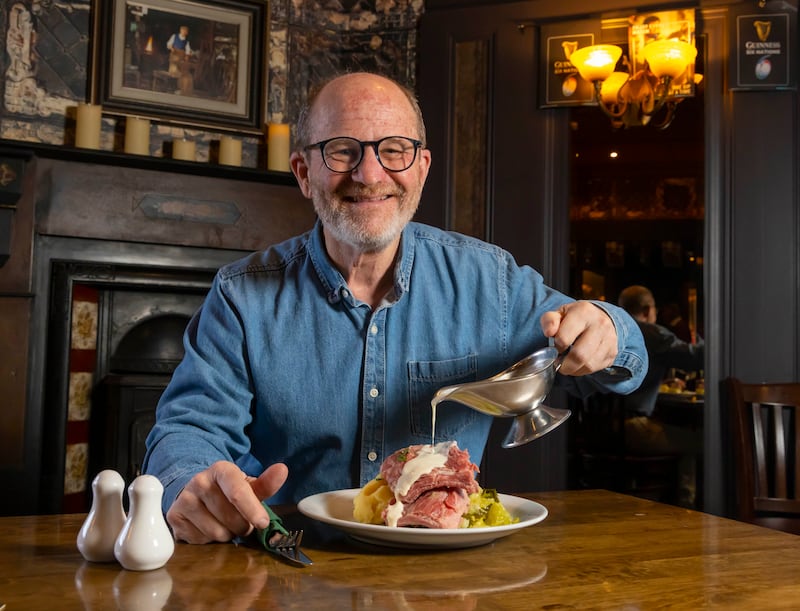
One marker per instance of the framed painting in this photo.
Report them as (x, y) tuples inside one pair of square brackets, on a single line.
[(194, 62)]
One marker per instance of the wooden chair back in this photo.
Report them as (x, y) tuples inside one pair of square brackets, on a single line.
[(766, 440)]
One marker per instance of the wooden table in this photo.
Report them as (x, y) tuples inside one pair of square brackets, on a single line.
[(596, 549)]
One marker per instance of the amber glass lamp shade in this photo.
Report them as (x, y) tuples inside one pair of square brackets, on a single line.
[(669, 57), (597, 62), (609, 91)]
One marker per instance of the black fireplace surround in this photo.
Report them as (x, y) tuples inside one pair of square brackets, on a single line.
[(143, 309), (147, 241)]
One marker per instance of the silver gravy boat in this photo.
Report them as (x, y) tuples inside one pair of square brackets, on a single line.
[(515, 393)]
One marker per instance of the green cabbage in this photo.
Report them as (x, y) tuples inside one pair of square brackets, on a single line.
[(485, 509)]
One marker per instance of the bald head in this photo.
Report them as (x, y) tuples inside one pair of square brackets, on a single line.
[(639, 302), (377, 93)]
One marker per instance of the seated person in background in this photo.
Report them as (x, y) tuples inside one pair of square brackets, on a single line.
[(665, 350)]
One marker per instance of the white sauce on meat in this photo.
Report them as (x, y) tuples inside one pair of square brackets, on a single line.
[(394, 512), (429, 458)]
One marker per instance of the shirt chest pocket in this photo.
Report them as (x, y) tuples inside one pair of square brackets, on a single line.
[(424, 379)]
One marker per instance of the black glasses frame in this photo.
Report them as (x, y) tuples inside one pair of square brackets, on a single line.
[(363, 143)]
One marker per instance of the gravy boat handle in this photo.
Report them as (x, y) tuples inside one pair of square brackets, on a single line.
[(560, 359)]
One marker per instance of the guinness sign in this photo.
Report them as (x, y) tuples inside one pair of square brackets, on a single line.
[(764, 55), (560, 84), (763, 28)]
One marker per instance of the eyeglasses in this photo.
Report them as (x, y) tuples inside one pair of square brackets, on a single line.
[(344, 154)]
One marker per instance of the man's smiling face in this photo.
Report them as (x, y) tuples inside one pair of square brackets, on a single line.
[(368, 207)]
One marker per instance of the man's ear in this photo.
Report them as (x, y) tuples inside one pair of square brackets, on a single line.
[(300, 170)]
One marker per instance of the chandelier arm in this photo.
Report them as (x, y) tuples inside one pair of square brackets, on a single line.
[(661, 96), (669, 115)]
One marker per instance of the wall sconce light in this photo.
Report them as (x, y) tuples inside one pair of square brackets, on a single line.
[(634, 99)]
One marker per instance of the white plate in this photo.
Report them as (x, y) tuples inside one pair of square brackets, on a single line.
[(336, 508)]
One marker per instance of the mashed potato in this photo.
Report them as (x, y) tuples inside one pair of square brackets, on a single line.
[(371, 500)]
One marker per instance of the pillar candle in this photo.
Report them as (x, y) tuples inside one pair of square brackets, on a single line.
[(230, 151), (87, 127), (278, 147), (137, 136), (183, 149)]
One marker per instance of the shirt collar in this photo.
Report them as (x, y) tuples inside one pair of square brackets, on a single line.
[(333, 281)]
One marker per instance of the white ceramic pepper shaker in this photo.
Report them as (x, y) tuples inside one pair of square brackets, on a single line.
[(145, 542), (106, 518)]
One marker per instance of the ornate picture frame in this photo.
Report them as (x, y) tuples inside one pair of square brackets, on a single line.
[(195, 62)]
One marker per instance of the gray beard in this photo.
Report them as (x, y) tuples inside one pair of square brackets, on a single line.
[(348, 231)]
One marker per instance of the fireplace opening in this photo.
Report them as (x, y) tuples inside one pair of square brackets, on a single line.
[(152, 346), (115, 338), (140, 369)]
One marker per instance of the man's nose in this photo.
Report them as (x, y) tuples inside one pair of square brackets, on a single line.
[(370, 170)]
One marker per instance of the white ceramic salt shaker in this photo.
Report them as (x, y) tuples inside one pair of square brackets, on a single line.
[(106, 518), (145, 542)]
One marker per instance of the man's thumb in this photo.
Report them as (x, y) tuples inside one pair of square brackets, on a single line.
[(270, 481)]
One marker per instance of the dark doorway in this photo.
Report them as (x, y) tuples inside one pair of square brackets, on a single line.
[(637, 209), (637, 217)]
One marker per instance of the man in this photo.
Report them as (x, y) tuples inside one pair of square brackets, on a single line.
[(179, 43), (647, 435), (664, 348), (318, 357), (179, 53)]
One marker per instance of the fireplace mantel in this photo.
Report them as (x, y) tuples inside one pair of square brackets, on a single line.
[(114, 212), (144, 162)]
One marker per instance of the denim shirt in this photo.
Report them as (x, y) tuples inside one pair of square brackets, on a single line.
[(283, 364)]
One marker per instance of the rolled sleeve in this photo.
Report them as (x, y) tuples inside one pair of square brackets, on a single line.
[(631, 363)]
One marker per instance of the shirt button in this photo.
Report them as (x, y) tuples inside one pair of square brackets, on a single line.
[(373, 392), (345, 293), (372, 456), (373, 329)]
